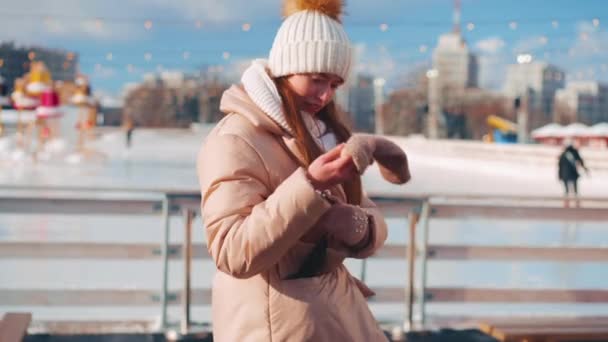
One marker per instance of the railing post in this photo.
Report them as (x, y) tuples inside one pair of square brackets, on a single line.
[(363, 270), (165, 261), (187, 257), (413, 217), (425, 216)]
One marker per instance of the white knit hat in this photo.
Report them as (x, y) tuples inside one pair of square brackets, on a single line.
[(311, 41)]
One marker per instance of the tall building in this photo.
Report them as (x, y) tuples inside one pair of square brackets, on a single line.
[(457, 68), (535, 83), (361, 104), (15, 62), (379, 99), (587, 101)]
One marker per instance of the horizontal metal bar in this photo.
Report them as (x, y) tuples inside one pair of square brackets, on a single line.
[(19, 297), (519, 212), (63, 297), (78, 206), (518, 253), (480, 295), (143, 326), (69, 327), (77, 250)]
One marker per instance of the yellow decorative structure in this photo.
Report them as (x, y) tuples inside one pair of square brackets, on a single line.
[(503, 125), (38, 79)]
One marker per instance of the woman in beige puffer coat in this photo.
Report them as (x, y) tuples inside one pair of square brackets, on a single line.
[(282, 208)]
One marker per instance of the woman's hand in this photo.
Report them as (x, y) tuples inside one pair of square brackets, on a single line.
[(330, 169), (343, 222), (347, 223)]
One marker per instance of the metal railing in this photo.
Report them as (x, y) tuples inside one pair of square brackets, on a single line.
[(419, 210)]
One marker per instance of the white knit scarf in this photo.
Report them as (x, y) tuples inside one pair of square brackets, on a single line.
[(263, 92)]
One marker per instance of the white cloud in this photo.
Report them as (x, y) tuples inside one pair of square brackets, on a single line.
[(490, 45), (35, 22)]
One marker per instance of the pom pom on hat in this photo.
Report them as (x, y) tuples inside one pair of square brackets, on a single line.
[(331, 8)]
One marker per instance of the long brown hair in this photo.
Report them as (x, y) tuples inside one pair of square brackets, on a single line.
[(331, 116)]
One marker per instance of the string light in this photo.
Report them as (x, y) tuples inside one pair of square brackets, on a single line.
[(147, 56), (584, 36), (226, 55), (148, 24), (130, 68), (423, 48), (246, 27), (543, 40), (98, 23), (98, 67), (186, 54), (596, 22), (555, 24), (109, 56), (470, 26), (383, 27), (513, 25), (198, 24)]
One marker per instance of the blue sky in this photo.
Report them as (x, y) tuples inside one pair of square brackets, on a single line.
[(112, 40)]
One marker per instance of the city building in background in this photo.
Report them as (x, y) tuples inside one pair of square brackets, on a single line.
[(455, 69), (582, 101), (361, 104), (535, 84)]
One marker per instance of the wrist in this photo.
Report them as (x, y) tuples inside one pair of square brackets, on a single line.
[(315, 184)]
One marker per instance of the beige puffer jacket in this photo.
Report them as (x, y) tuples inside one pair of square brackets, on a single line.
[(256, 206)]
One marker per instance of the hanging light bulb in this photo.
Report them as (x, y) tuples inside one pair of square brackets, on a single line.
[(383, 27), (98, 23), (148, 24), (470, 26), (246, 27)]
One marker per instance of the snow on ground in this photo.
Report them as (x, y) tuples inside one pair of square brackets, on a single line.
[(165, 158)]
